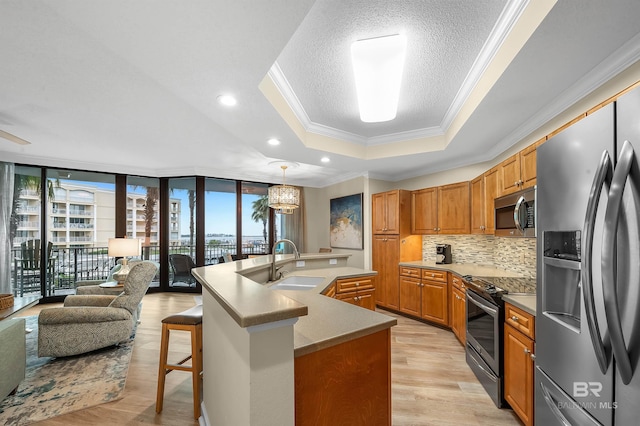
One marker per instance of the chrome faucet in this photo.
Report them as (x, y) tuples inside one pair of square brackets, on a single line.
[(274, 270)]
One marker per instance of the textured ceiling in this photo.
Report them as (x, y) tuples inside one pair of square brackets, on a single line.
[(130, 87), (444, 39)]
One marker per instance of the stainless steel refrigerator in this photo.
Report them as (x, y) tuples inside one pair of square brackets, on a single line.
[(588, 265)]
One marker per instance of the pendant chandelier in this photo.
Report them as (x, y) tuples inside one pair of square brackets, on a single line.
[(284, 198)]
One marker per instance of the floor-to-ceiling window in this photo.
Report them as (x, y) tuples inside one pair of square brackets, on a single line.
[(255, 219), (66, 217), (80, 218), (182, 229), (143, 217), (220, 221), (25, 231)]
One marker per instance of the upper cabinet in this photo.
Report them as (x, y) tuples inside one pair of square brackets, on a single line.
[(484, 189), (424, 211), (390, 212), (518, 172), (441, 210)]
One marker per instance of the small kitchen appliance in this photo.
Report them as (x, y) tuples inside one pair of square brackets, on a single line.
[(443, 253)]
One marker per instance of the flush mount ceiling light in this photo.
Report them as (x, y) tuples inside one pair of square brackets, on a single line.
[(273, 141), (377, 66), (325, 159), (227, 100), (284, 198)]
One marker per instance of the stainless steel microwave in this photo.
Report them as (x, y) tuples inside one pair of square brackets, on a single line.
[(515, 214)]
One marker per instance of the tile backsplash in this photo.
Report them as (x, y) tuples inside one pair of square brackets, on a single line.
[(513, 254)]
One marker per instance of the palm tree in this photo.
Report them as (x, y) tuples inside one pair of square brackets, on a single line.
[(150, 202), (261, 213), (24, 183)]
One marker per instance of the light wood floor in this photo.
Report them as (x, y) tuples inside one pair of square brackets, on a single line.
[(432, 384)]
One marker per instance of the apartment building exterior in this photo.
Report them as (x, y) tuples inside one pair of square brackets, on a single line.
[(84, 216)]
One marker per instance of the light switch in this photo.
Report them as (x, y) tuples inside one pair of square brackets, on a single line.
[(333, 261)]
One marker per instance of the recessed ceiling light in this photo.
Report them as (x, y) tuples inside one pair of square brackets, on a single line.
[(377, 66), (227, 100), (273, 141), (325, 159)]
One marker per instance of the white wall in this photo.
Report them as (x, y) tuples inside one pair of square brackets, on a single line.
[(317, 208)]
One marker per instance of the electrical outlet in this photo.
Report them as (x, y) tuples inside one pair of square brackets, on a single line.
[(333, 261), (300, 264)]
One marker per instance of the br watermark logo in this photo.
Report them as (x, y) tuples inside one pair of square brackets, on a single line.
[(584, 389)]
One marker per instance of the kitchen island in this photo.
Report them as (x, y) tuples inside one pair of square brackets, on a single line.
[(270, 355)]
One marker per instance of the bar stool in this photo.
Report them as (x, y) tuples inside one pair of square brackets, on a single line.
[(191, 321)]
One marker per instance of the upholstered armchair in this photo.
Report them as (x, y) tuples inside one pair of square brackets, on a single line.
[(89, 322)]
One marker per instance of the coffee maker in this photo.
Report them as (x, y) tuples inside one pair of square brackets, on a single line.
[(443, 253)]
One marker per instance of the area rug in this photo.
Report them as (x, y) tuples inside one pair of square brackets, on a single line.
[(56, 386)]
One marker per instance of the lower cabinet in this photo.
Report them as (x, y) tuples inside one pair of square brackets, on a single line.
[(346, 384), (359, 291), (459, 314), (519, 362), (424, 294)]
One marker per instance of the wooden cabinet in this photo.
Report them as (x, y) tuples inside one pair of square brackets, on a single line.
[(385, 259), (364, 299), (518, 171), (424, 211), (392, 243), (359, 291), (458, 308), (441, 210), (390, 212), (423, 293), (348, 383), (453, 209), (519, 362), (484, 189), (410, 291)]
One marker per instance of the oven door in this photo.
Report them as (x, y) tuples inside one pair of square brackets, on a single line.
[(483, 329)]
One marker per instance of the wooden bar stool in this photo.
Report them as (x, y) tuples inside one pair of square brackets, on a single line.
[(191, 321)]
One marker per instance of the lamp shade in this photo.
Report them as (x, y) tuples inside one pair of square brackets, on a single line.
[(122, 247), (284, 198)]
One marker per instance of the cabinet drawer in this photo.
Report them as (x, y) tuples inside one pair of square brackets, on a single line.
[(458, 282), (434, 275), (410, 272), (520, 320), (353, 284)]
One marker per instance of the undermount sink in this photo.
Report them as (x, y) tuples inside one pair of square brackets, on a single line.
[(297, 283)]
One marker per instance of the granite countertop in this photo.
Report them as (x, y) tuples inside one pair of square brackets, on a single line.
[(526, 302), (322, 321)]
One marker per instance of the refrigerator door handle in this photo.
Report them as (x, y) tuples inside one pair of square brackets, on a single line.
[(553, 405), (609, 267), (602, 177)]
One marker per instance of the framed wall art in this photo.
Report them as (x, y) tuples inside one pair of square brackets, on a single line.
[(345, 225)]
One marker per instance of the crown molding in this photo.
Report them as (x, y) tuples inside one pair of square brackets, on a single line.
[(506, 21)]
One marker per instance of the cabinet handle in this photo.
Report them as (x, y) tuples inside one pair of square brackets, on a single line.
[(433, 275), (527, 351), (435, 229), (514, 318), (533, 357), (357, 284)]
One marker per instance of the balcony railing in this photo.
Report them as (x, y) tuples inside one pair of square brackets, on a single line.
[(68, 265)]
